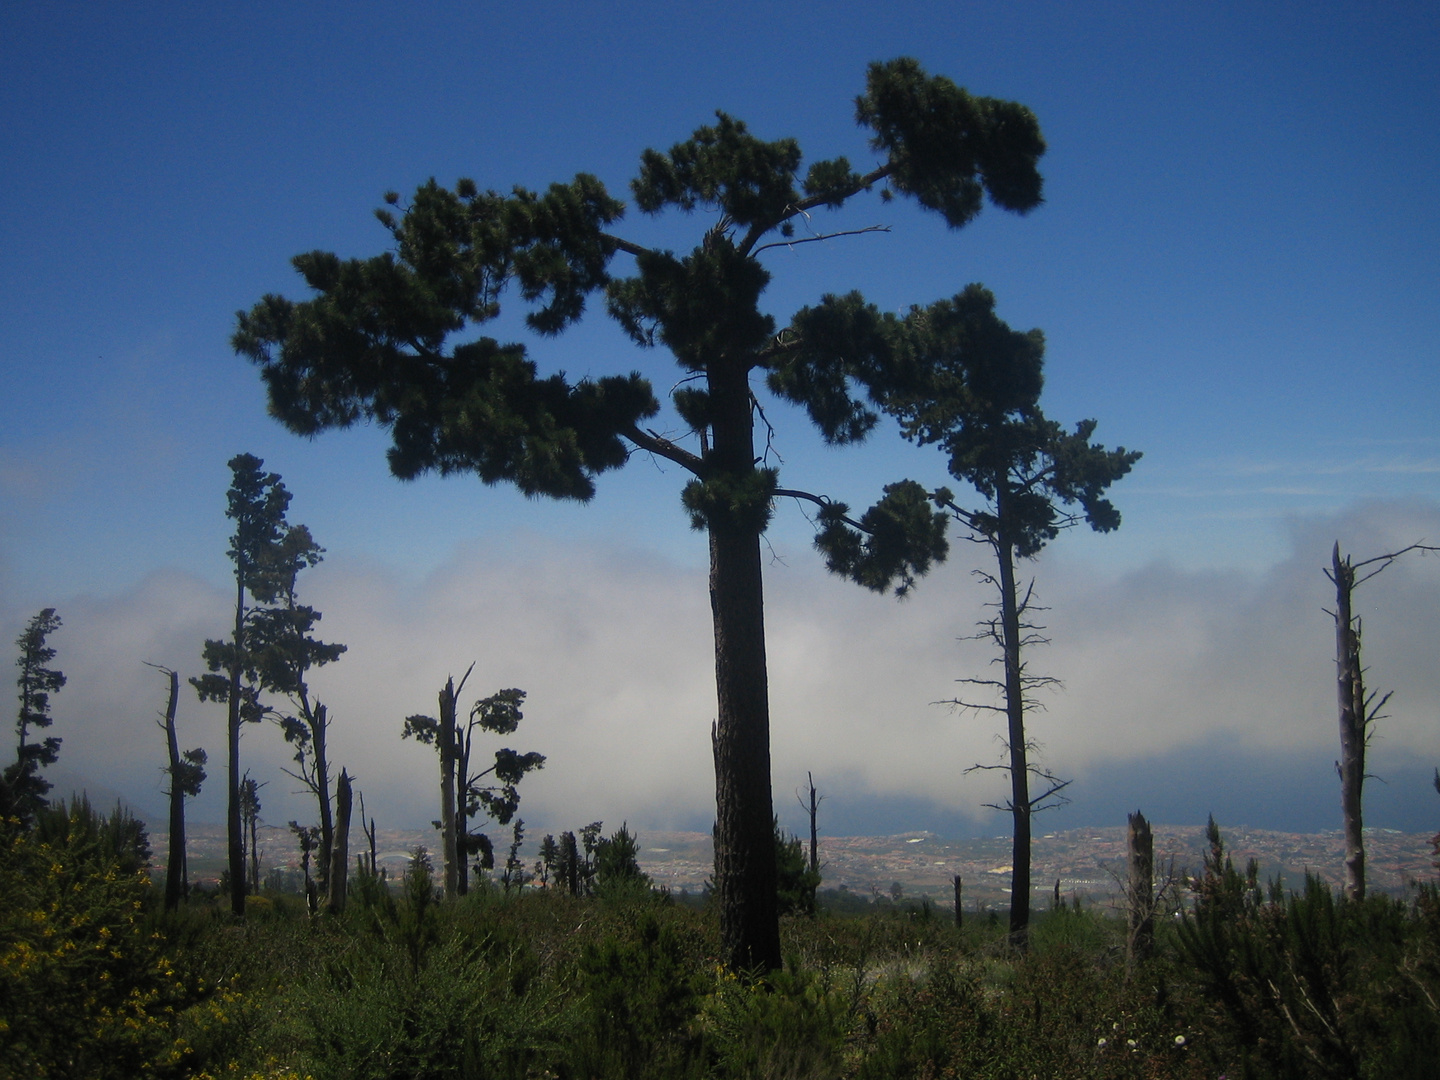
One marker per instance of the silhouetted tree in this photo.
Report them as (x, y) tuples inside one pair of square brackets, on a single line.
[(549, 857), (812, 810), (250, 829), (464, 794), (308, 837), (256, 502), (340, 846), (972, 387), (617, 861), (513, 876), (271, 650), (22, 788), (795, 880), (378, 342), (286, 652), (186, 772), (570, 863), (493, 789)]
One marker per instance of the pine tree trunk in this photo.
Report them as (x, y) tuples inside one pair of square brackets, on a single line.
[(233, 825), (175, 867), (1019, 751), (340, 854), (1350, 693), (745, 872)]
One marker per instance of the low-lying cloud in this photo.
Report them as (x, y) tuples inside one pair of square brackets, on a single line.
[(1220, 680)]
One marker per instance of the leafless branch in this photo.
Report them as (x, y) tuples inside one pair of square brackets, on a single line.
[(760, 228), (769, 430), (821, 236), (1383, 562)]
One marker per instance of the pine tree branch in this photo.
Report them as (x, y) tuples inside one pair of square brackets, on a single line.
[(663, 447), (818, 500), (625, 245)]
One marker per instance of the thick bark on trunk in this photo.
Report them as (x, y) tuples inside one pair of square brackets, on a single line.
[(233, 826), (446, 737), (1140, 891), (340, 853), (1019, 751), (1350, 693), (745, 873), (175, 868), (745, 879)]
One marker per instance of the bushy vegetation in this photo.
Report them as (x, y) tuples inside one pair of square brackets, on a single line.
[(98, 981)]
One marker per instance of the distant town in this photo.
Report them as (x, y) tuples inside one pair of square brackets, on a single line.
[(916, 866)]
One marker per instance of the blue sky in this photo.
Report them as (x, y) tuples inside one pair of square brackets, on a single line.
[(1235, 269)]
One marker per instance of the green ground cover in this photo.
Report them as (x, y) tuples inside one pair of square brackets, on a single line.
[(96, 981)]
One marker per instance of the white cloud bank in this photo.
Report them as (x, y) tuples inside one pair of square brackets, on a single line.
[(614, 649)]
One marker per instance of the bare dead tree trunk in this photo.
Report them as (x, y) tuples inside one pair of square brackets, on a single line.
[(1140, 891), (462, 809), (1021, 806), (234, 826), (1350, 695), (446, 737), (340, 847), (1358, 711), (814, 834), (319, 722), (175, 867), (367, 826)]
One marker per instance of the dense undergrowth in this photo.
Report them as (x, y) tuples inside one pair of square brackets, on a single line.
[(95, 981)]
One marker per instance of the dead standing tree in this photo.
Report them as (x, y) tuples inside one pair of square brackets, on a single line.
[(812, 808), (1139, 891), (1358, 709), (1013, 635), (187, 772), (441, 734)]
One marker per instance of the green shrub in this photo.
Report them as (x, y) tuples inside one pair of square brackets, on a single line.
[(640, 1000), (786, 1027), (86, 988), (468, 1011), (1316, 985)]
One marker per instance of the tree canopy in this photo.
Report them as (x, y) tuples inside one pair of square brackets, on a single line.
[(393, 339)]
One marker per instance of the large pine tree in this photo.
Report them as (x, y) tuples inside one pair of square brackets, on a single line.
[(388, 339)]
